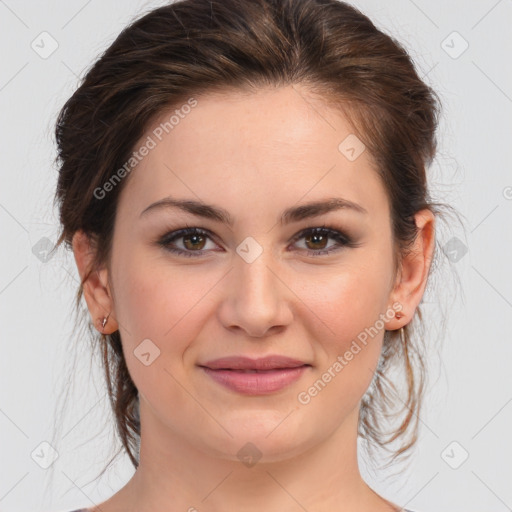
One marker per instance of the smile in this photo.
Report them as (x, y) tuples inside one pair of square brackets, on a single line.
[(256, 382)]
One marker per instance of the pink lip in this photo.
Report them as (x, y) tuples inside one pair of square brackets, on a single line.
[(255, 376), (246, 363)]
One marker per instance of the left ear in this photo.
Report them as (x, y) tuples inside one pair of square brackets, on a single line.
[(412, 279)]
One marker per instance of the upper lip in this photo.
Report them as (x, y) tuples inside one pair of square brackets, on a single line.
[(246, 363)]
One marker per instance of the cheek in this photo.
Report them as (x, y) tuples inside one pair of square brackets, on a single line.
[(345, 311), (159, 303), (152, 298), (348, 299), (349, 336), (159, 315)]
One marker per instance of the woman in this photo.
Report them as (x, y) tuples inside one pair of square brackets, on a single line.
[(243, 185)]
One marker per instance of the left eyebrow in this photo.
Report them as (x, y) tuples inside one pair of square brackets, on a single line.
[(317, 208), (293, 214)]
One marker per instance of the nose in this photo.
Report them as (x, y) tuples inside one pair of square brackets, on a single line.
[(257, 299)]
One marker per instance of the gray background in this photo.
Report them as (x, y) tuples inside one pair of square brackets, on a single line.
[(468, 410)]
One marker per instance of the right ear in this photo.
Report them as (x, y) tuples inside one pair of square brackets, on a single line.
[(96, 287)]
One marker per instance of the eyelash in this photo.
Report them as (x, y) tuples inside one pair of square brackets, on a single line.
[(341, 238)]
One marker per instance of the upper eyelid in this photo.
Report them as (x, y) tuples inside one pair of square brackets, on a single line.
[(179, 231), (176, 234), (325, 228)]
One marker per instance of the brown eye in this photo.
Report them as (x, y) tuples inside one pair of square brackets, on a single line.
[(316, 240), (194, 241)]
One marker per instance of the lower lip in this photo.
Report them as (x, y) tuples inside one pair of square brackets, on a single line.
[(256, 383)]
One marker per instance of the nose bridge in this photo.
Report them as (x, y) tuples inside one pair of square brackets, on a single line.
[(257, 299), (255, 280)]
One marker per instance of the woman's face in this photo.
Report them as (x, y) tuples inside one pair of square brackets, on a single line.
[(257, 287)]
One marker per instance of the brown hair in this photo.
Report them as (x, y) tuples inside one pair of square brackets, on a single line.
[(192, 47)]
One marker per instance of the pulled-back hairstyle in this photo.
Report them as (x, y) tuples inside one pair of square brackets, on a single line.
[(191, 47)]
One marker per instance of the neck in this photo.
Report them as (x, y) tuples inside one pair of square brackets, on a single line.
[(173, 474)]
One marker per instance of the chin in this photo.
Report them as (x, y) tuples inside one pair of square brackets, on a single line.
[(263, 439)]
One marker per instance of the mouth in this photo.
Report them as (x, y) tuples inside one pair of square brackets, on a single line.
[(255, 376), (273, 362)]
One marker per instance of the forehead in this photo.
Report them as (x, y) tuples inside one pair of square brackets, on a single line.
[(253, 148)]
